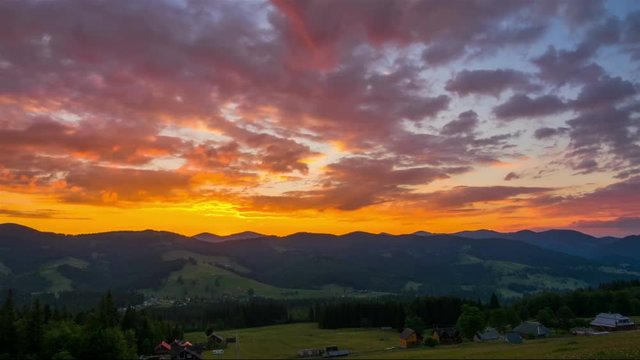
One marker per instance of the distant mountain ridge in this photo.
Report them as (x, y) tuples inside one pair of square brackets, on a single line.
[(565, 241), (165, 264), (213, 238)]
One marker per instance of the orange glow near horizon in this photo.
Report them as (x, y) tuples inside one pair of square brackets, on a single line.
[(224, 218)]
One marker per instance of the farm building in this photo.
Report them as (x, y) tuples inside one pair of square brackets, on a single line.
[(531, 330), (447, 336), (488, 334), (409, 338), (612, 322)]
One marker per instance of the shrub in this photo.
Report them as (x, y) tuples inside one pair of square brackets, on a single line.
[(430, 342)]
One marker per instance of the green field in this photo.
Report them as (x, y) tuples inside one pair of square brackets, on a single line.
[(284, 341), (58, 282), (219, 277)]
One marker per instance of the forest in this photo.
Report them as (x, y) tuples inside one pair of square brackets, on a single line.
[(40, 331)]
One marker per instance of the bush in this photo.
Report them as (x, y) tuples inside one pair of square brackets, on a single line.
[(430, 342)]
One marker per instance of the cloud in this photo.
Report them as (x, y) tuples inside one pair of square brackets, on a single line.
[(547, 132), (357, 182), (466, 196), (38, 214), (488, 82), (621, 224), (560, 67), (597, 134), (606, 91), (579, 13), (523, 106), (617, 199), (511, 176), (306, 26), (465, 124)]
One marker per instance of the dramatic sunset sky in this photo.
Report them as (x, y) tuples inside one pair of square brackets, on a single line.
[(321, 116)]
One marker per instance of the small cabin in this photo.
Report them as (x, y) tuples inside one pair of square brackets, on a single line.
[(447, 335), (612, 322), (409, 338), (531, 330)]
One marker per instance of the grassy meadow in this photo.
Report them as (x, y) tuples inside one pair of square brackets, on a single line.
[(284, 341), (218, 276)]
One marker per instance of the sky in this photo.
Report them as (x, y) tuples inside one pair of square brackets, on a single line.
[(320, 116)]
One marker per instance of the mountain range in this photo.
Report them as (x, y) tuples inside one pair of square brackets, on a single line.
[(310, 265)]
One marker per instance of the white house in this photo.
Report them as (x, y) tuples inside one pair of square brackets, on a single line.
[(612, 322)]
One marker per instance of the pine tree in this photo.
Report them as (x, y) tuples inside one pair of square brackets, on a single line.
[(107, 312), (8, 334), (35, 331), (494, 303)]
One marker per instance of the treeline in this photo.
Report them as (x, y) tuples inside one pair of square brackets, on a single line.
[(619, 296), (358, 314), (556, 310), (440, 311), (77, 300), (40, 332), (227, 314)]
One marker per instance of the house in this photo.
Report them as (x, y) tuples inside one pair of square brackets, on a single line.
[(447, 336), (531, 330), (216, 341), (187, 354), (513, 338), (162, 348), (409, 338), (612, 322), (488, 334)]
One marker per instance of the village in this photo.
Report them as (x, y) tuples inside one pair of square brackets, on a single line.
[(219, 346)]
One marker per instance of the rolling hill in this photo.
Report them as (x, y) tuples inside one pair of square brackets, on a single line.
[(302, 265)]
